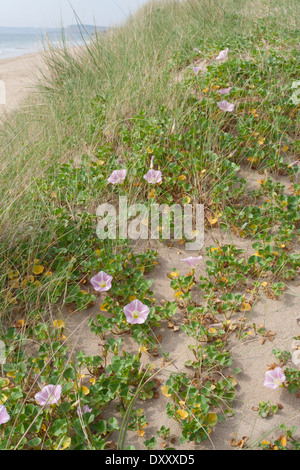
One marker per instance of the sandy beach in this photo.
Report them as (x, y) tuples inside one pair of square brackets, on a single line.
[(19, 75)]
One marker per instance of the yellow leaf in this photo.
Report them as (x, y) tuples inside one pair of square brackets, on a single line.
[(205, 90), (3, 399), (179, 294), (103, 307), (165, 391), (38, 269), (246, 307), (283, 440), (64, 444), (212, 220), (11, 374), (211, 419), (59, 324), (266, 443), (182, 413), (233, 381), (182, 177), (93, 380), (85, 390), (132, 297), (212, 330), (173, 274)]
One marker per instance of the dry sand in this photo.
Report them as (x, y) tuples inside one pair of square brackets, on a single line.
[(251, 356), (19, 75)]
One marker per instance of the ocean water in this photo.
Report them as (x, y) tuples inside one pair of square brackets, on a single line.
[(15, 42)]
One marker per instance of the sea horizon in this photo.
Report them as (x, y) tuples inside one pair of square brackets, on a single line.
[(15, 42)]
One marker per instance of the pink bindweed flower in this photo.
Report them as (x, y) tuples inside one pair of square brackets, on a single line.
[(49, 395), (101, 282), (225, 91), (223, 54), (192, 261), (136, 312), (153, 176), (225, 106), (117, 177), (274, 378), (294, 163), (85, 409), (151, 163), (4, 416), (197, 50), (196, 70)]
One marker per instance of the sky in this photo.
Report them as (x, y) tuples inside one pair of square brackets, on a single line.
[(51, 13)]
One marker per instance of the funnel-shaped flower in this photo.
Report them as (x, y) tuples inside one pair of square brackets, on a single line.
[(223, 54), (196, 70), (274, 378), (225, 106), (49, 395), (117, 177), (192, 261), (153, 176), (101, 282), (85, 409), (225, 91), (136, 312), (4, 416)]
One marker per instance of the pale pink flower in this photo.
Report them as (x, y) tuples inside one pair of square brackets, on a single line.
[(225, 106), (49, 395), (196, 70), (225, 91), (197, 50), (136, 312), (294, 163), (101, 282), (274, 378), (117, 177), (192, 261), (85, 409), (153, 176), (223, 54), (4, 416), (151, 163)]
